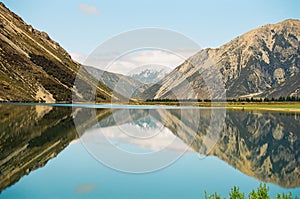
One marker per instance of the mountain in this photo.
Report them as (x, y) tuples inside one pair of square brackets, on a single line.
[(33, 67), (264, 62), (150, 75), (126, 86)]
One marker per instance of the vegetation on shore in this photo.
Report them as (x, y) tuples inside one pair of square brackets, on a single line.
[(282, 104), (262, 192), (285, 104), (239, 105), (252, 99)]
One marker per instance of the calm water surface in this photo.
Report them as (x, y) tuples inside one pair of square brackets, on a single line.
[(153, 152)]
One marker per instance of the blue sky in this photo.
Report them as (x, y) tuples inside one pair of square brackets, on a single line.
[(81, 25)]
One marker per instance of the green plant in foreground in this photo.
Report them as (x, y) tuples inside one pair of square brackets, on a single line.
[(213, 196), (236, 194), (285, 196), (262, 192)]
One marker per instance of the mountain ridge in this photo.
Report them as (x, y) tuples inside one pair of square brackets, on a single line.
[(256, 63), (35, 68)]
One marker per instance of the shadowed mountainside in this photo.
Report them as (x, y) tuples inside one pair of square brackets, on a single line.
[(33, 67)]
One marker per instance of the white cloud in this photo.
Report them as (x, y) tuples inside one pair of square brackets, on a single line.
[(87, 9), (145, 58), (134, 60)]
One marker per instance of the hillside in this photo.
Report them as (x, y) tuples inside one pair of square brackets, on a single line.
[(264, 62), (126, 86), (33, 67)]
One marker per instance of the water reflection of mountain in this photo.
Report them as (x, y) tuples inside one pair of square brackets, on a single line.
[(32, 135), (263, 145), (187, 124)]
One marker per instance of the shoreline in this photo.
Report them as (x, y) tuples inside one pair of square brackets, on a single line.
[(238, 106)]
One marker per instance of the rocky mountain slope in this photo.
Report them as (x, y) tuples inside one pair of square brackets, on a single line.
[(35, 68), (262, 62)]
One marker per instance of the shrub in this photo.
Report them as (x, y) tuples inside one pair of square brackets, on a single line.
[(262, 192)]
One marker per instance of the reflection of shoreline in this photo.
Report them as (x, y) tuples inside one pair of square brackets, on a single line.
[(239, 106)]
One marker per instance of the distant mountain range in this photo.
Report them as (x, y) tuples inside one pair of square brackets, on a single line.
[(264, 62), (126, 86)]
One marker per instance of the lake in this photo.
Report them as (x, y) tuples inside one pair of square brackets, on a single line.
[(104, 151)]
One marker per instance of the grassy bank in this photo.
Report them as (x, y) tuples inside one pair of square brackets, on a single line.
[(267, 106)]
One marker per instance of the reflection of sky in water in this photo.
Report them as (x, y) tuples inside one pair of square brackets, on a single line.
[(69, 176), (138, 137)]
